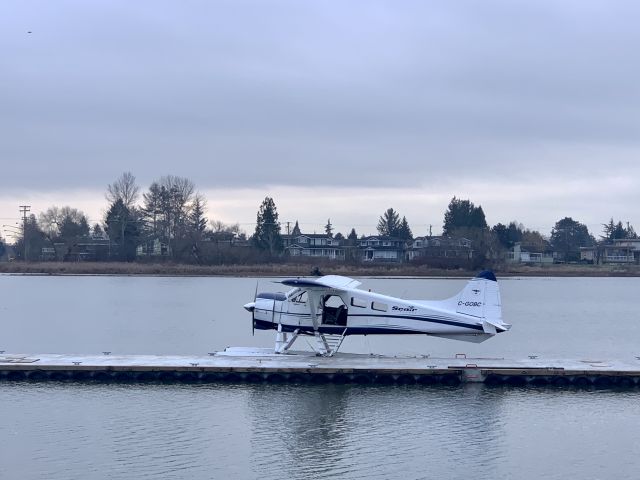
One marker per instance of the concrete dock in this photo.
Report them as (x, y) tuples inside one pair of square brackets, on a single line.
[(262, 365)]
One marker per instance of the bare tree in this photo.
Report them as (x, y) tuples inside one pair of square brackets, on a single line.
[(54, 218), (125, 189)]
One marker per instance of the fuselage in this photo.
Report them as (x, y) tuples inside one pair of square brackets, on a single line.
[(357, 312)]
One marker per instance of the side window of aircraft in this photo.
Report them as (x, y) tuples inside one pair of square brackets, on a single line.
[(381, 307), (357, 302), (302, 298)]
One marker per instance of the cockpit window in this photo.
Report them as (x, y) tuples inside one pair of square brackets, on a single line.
[(302, 298)]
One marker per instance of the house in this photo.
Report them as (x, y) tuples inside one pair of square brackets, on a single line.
[(87, 248), (382, 249), (519, 254), (313, 245), (620, 250), (152, 248), (424, 248)]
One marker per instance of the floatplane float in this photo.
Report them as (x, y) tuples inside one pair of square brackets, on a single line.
[(332, 307)]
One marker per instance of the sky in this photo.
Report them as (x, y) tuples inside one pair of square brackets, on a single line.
[(336, 109)]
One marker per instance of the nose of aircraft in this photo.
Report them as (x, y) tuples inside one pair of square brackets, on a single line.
[(249, 307)]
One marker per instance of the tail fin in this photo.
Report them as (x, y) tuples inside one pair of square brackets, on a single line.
[(481, 299)]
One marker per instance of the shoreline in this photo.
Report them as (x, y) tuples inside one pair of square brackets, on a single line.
[(304, 269)]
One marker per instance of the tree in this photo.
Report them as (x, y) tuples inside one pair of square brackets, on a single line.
[(125, 189), (65, 225), (267, 234), (166, 211), (36, 239), (352, 237), (404, 231), (463, 214), (614, 231), (122, 226), (389, 223), (328, 228), (152, 209), (534, 241), (197, 221), (97, 231), (508, 236), (296, 230), (567, 236)]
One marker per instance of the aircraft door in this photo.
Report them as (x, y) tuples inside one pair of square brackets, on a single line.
[(334, 311)]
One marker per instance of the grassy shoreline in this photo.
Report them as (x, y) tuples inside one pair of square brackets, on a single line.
[(290, 269)]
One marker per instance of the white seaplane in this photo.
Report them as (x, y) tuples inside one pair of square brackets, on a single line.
[(332, 307)]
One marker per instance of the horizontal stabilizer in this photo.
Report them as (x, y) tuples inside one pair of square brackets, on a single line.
[(488, 328)]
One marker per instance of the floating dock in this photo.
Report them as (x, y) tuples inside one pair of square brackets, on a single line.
[(262, 365)]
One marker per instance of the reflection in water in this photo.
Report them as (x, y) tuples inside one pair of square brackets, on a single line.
[(326, 431), (301, 428)]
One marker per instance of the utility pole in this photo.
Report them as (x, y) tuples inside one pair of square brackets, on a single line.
[(24, 209), (288, 225)]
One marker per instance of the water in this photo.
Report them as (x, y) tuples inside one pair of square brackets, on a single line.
[(92, 431)]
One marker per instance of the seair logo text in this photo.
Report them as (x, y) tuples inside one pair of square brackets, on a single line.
[(404, 309), (469, 304)]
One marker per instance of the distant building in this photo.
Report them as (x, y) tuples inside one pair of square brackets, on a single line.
[(382, 249), (425, 248), (313, 245), (152, 248), (519, 254), (621, 251)]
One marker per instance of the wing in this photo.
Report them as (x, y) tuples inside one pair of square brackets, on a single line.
[(328, 281)]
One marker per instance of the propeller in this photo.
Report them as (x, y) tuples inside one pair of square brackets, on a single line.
[(253, 314)]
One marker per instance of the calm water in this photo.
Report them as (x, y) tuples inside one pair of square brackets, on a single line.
[(86, 431)]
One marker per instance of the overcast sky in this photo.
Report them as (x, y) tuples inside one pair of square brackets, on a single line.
[(336, 109)]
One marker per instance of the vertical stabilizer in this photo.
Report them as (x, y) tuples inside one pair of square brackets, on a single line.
[(481, 298)]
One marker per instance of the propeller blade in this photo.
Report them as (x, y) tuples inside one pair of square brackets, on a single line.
[(253, 314)]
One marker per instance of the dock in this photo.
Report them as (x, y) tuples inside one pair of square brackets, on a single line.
[(262, 365)]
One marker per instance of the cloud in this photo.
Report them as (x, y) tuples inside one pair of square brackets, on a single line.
[(342, 97)]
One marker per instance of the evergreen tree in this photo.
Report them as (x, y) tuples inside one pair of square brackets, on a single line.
[(122, 226), (614, 231), (152, 210), (567, 236), (328, 228), (389, 223), (97, 231), (35, 239), (404, 231), (197, 221), (267, 235), (508, 235), (296, 230), (352, 237), (463, 214)]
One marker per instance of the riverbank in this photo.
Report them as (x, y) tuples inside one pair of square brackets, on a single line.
[(293, 269)]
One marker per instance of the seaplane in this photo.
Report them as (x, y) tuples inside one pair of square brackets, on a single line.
[(332, 307)]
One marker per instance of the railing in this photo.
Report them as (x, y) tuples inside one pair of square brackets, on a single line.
[(619, 258)]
